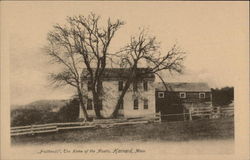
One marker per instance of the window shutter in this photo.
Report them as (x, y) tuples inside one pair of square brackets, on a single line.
[(145, 85), (145, 103), (136, 104), (89, 104)]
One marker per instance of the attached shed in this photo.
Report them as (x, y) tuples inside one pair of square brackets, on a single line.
[(178, 98)]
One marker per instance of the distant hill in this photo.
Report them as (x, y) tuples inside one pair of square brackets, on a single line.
[(50, 105)]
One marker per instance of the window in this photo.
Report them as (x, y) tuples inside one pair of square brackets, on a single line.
[(182, 95), (136, 104), (135, 87), (160, 94), (89, 104), (89, 86), (121, 104), (145, 85), (145, 106), (202, 95), (120, 85)]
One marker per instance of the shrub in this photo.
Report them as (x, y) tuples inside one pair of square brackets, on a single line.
[(223, 96), (35, 115), (69, 112), (31, 116)]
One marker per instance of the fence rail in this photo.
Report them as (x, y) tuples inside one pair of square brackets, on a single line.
[(32, 129)]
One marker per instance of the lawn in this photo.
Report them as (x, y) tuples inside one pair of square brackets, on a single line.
[(212, 129)]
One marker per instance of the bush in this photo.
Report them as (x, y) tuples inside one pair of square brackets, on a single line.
[(29, 116), (223, 96), (69, 112), (21, 117)]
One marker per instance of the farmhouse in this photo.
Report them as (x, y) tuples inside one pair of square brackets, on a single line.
[(147, 97), (179, 98), (138, 101)]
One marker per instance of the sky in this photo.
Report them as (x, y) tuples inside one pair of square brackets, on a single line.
[(214, 35)]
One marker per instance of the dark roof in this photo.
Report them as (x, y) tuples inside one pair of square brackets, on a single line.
[(122, 73), (184, 87)]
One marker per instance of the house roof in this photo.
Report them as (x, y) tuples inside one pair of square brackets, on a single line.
[(122, 73), (184, 87)]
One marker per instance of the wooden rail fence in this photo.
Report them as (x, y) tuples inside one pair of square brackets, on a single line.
[(205, 112), (106, 123)]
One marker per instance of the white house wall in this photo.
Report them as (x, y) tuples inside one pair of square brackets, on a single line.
[(111, 95), (129, 110)]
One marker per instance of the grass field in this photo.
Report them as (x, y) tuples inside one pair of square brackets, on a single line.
[(166, 131)]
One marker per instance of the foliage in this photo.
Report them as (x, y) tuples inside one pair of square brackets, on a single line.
[(30, 116), (223, 96), (70, 112), (42, 115)]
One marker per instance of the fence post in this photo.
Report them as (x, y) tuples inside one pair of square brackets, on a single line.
[(157, 117), (160, 116), (190, 115), (184, 116), (31, 129), (210, 115)]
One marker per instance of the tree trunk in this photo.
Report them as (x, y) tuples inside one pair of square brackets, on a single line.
[(97, 95), (124, 91), (96, 100), (115, 113), (85, 114)]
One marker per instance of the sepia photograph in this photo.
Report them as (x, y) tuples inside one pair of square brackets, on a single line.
[(124, 80)]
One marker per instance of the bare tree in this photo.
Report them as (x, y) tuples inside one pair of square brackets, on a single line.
[(61, 52), (145, 50), (86, 41)]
